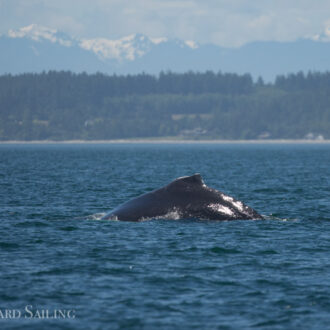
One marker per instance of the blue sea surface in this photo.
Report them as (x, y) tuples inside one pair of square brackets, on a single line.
[(57, 256)]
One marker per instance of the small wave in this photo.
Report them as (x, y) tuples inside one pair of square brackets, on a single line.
[(32, 224), (68, 228), (8, 245), (222, 250), (173, 214), (276, 218), (96, 216), (267, 251)]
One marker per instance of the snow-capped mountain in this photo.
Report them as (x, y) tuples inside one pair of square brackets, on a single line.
[(41, 33), (323, 36), (35, 48), (127, 48)]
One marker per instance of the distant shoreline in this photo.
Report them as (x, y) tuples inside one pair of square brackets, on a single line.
[(169, 141)]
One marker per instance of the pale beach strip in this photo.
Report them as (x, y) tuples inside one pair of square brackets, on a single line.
[(169, 141)]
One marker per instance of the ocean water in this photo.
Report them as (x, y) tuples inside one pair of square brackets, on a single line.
[(64, 268)]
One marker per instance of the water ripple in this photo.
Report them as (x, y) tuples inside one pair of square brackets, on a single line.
[(270, 274)]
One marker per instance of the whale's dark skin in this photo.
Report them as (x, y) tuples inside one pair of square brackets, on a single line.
[(186, 197)]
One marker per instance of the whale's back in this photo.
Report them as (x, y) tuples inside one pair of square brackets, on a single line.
[(185, 197)]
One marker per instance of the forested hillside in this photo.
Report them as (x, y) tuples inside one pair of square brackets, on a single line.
[(63, 105)]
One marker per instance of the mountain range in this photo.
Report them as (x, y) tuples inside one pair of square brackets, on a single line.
[(36, 48)]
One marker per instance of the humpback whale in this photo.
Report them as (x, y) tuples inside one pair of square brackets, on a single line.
[(185, 197)]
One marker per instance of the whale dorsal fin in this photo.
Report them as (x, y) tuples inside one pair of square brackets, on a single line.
[(195, 179)]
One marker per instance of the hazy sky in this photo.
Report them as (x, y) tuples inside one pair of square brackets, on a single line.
[(224, 22)]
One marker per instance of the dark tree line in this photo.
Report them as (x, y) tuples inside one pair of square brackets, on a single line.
[(63, 105)]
